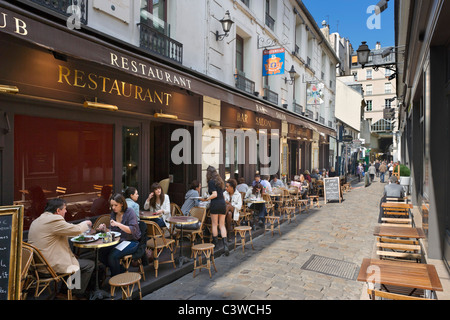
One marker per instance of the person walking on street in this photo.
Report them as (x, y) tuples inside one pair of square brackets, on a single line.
[(372, 171), (383, 170), (377, 167)]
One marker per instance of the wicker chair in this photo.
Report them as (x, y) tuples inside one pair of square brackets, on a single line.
[(105, 218), (158, 242), (41, 274), (27, 258)]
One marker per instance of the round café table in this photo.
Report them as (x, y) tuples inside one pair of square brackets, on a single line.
[(182, 221), (96, 245), (147, 215)]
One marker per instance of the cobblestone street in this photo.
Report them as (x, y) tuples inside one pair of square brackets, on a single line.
[(340, 231)]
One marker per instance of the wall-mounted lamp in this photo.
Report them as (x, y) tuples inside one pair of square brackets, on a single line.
[(102, 106), (292, 74), (226, 26), (165, 116), (392, 76), (8, 89)]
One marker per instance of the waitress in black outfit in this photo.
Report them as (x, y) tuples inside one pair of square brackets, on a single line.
[(217, 206)]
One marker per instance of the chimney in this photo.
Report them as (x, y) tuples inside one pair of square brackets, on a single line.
[(378, 46)]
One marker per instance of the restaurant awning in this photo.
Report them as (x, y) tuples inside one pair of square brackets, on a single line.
[(77, 44)]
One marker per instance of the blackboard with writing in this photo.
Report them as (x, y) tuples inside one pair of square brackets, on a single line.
[(332, 189), (11, 227)]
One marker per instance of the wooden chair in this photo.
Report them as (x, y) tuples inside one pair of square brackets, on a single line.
[(158, 242), (61, 191), (165, 185), (175, 210), (270, 207), (392, 296), (200, 214), (207, 249), (242, 230), (27, 258), (126, 281), (399, 249), (41, 274), (105, 218)]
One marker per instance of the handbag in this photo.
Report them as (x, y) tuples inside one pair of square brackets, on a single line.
[(236, 215)]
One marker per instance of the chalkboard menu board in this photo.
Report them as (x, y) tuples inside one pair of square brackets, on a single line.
[(332, 189), (11, 228)]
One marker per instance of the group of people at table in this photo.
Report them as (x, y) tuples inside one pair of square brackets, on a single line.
[(50, 232)]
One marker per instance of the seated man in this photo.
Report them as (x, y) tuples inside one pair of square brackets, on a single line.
[(393, 189), (50, 234)]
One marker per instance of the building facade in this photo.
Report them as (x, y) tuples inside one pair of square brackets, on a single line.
[(125, 95), (380, 95), (423, 88)]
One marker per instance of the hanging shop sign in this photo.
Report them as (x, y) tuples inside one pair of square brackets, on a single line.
[(314, 93), (273, 62)]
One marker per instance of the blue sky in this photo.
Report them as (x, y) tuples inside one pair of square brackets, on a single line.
[(350, 19)]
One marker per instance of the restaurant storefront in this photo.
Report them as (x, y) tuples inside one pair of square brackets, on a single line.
[(81, 130), (242, 130)]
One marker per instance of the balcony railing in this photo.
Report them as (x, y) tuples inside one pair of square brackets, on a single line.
[(270, 96), (160, 44), (298, 108), (309, 114), (60, 6), (270, 22), (244, 84)]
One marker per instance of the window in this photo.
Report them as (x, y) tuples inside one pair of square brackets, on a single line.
[(387, 73), (246, 2), (387, 87), (154, 14), (369, 89), (368, 74), (355, 75), (387, 103), (239, 53), (74, 155), (369, 105)]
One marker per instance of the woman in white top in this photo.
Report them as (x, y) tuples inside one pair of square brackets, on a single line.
[(233, 200), (158, 203)]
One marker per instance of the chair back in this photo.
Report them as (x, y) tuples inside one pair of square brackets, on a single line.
[(392, 296), (199, 213), (38, 263), (105, 218), (154, 231), (267, 198), (27, 258), (175, 210), (165, 185)]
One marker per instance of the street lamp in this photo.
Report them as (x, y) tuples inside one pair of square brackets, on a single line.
[(363, 54), (226, 26), (292, 74)]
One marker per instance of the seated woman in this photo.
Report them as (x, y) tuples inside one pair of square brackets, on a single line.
[(131, 195), (123, 220), (303, 186), (158, 203), (259, 207), (233, 200), (191, 199)]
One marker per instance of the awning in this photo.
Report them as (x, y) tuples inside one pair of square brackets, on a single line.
[(72, 43)]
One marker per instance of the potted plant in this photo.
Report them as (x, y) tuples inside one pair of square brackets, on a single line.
[(405, 176)]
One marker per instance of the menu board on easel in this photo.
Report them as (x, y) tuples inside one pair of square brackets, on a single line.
[(11, 228), (332, 189)]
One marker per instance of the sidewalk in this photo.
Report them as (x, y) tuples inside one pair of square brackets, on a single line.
[(333, 239)]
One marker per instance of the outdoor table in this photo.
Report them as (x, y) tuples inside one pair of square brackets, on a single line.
[(398, 232), (400, 274), (147, 215), (96, 245), (182, 220)]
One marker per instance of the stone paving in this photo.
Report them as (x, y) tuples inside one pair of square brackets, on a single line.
[(273, 271)]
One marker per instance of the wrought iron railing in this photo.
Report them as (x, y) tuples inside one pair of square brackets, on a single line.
[(60, 6), (298, 108), (244, 84), (270, 96), (160, 44), (309, 114)]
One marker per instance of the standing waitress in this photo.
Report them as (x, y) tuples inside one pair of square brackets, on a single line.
[(217, 207)]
